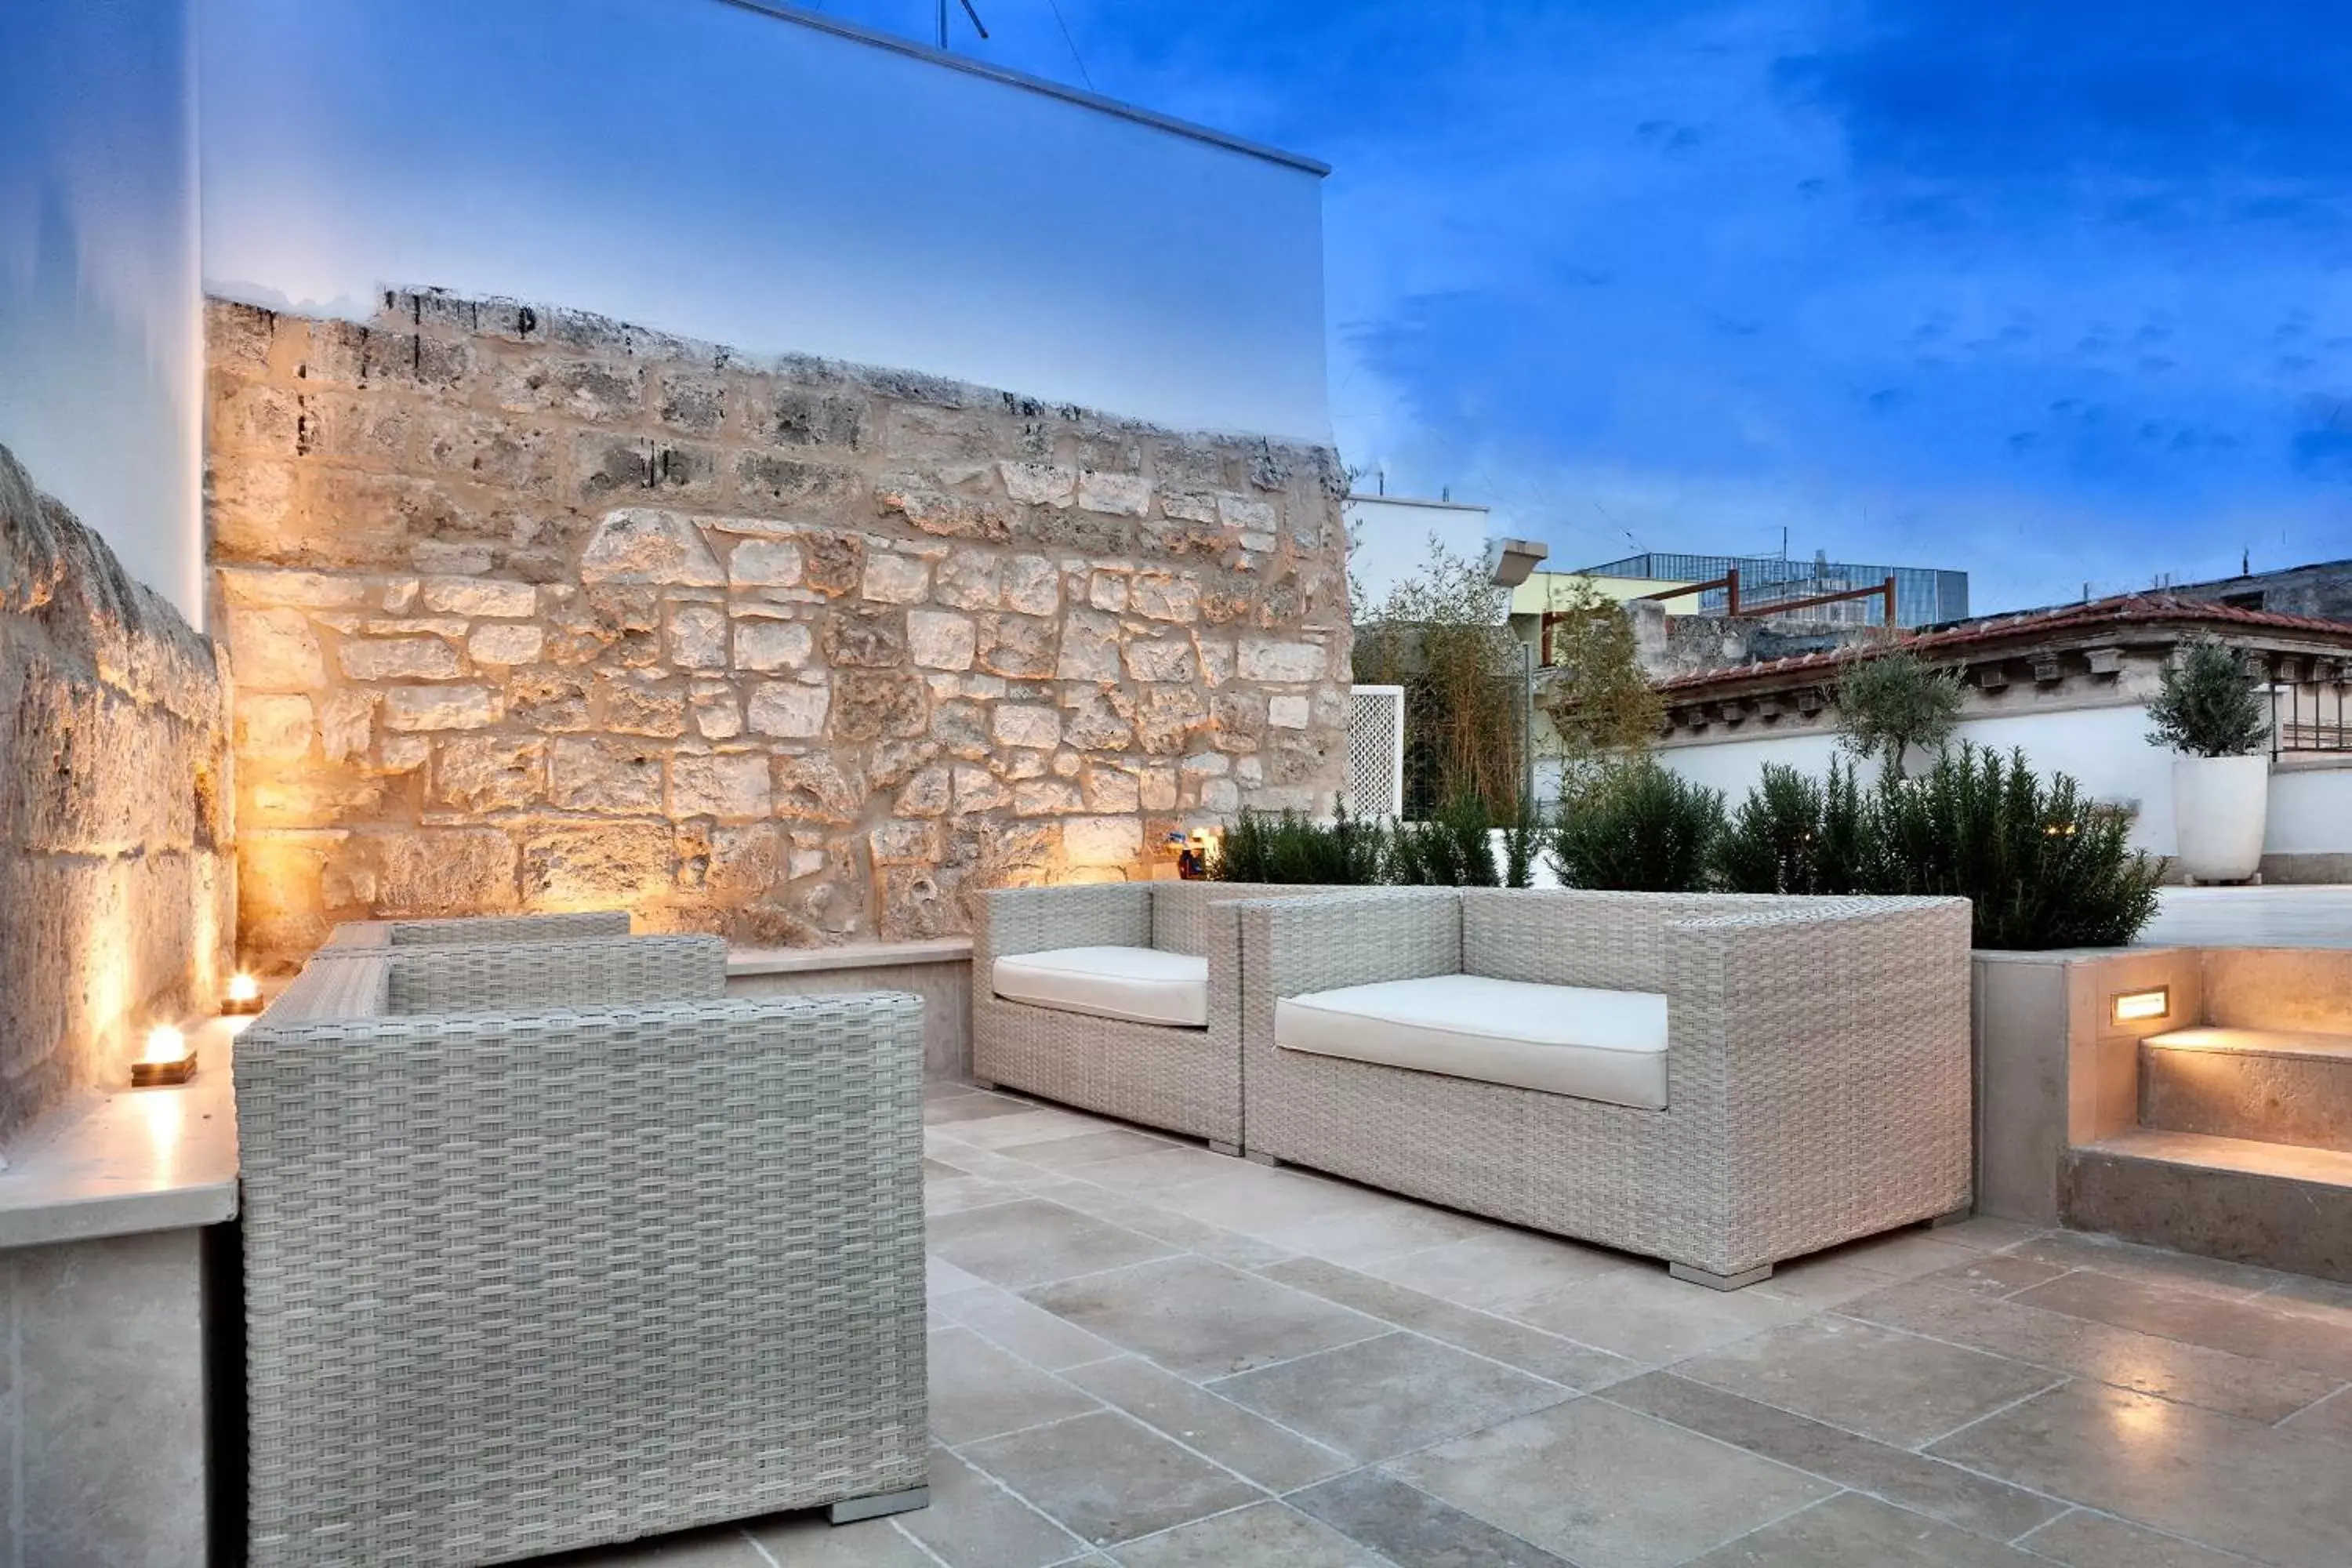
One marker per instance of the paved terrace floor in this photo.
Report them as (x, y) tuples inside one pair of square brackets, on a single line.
[(1145, 1354)]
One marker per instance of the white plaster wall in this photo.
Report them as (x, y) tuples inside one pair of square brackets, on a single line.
[(720, 173), (2105, 750), (101, 321), (1388, 539), (2310, 812)]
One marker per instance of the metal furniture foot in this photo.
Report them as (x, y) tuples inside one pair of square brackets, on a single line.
[(1255, 1158), (1738, 1281), (1954, 1217), (1230, 1151), (857, 1508)]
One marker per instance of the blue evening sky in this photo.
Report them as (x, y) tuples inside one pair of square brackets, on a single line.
[(2054, 293)]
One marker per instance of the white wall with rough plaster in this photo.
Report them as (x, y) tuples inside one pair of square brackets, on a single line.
[(101, 325), (708, 170), (2105, 750)]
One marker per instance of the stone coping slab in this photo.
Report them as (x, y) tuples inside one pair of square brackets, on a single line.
[(129, 1161)]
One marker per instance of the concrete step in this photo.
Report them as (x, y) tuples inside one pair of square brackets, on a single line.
[(2270, 1204), (2270, 1085), (2279, 988)]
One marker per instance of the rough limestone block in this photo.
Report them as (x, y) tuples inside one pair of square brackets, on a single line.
[(400, 658), (941, 639), (906, 613), (731, 786), (439, 707), (642, 545)]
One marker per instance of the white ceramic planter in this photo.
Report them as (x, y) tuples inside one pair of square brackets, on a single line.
[(2218, 808)]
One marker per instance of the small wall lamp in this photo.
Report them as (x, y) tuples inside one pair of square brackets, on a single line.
[(2139, 1006), (170, 1058)]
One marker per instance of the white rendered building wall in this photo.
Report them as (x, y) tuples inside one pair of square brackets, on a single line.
[(702, 168)]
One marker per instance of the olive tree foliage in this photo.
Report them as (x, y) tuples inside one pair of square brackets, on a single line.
[(2211, 704), (1599, 701), (1444, 634), (1891, 701)]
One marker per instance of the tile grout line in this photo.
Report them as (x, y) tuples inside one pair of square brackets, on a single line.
[(2088, 1377), (1918, 1454), (2130, 1523), (1385, 1474), (2053, 1387), (1841, 1490), (1519, 1323), (1103, 1404), (2333, 1394)]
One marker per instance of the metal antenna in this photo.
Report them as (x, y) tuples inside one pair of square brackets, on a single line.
[(977, 25)]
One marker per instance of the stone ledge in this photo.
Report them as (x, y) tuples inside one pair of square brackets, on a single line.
[(855, 955), (130, 1160)]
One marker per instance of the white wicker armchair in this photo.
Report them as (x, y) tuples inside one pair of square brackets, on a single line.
[(550, 1246), (1184, 1077), (1816, 1067)]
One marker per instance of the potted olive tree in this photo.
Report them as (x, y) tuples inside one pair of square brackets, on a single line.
[(2211, 712)]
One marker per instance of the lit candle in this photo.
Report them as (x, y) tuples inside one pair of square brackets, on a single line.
[(170, 1058), (244, 995)]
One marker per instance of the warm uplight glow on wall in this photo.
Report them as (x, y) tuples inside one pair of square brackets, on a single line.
[(2139, 1006)]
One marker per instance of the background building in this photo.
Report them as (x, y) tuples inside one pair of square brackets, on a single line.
[(1924, 596)]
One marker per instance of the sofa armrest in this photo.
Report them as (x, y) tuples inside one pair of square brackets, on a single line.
[(1039, 920), (594, 972), (1835, 1018)]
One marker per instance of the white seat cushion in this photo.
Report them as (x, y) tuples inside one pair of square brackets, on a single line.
[(1141, 985), (1561, 1039)]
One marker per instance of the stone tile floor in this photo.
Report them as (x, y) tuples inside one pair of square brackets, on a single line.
[(1146, 1355)]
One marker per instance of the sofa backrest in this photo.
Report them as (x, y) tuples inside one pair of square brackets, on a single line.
[(1179, 910), (1614, 941), (590, 973)]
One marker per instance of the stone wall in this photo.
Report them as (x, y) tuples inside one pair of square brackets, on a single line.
[(115, 892), (533, 609)]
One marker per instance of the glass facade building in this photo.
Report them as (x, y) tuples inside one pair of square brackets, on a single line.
[(1924, 596)]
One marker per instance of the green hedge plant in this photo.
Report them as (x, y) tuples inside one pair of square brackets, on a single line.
[(1453, 849), (1293, 849), (1637, 827)]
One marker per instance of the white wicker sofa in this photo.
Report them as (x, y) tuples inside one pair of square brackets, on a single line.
[(548, 1244), (1724, 1082), (1118, 997)]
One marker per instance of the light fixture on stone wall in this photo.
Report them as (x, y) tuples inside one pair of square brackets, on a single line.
[(2140, 1006), (243, 997), (170, 1058)]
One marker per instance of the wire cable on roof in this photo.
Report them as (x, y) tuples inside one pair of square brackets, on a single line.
[(1077, 59)]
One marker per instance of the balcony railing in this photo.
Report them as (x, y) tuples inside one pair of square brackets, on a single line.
[(2311, 706)]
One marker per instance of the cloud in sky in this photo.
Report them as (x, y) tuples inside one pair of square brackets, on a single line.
[(2054, 294)]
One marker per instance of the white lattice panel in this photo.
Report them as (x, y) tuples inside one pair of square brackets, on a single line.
[(1375, 751)]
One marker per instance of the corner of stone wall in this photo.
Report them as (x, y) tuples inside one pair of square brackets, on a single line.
[(116, 878), (535, 609)]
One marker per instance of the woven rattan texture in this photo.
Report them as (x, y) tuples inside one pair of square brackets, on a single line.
[(479, 929), (1818, 1069), (1186, 1081), (593, 971), (522, 1282)]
